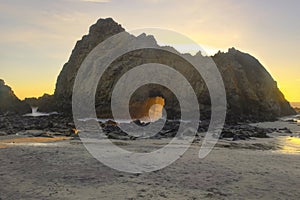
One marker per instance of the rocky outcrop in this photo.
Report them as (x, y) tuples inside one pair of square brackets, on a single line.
[(251, 91), (252, 94), (58, 124), (9, 103), (45, 103)]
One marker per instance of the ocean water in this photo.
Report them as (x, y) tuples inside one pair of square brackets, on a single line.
[(295, 104), (36, 113), (291, 144), (103, 120)]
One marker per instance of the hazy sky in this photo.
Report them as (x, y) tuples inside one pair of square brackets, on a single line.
[(37, 36)]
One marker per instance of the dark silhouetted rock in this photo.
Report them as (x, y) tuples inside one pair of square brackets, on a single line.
[(252, 94), (284, 130), (251, 91), (9, 102)]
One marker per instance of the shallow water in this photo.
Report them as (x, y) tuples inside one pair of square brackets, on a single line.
[(289, 145), (33, 141), (35, 113)]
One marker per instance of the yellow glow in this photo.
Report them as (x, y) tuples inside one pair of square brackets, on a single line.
[(152, 109), (75, 131), (290, 145), (32, 89), (291, 93), (155, 112)]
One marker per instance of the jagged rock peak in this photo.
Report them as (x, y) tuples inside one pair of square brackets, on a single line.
[(232, 50), (100, 31), (104, 25), (147, 39)]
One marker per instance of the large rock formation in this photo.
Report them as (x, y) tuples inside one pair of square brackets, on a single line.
[(98, 32), (251, 91), (9, 103)]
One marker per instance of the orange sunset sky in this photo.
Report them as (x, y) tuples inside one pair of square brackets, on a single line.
[(37, 37)]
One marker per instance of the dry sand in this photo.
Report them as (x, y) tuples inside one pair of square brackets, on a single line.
[(38, 168)]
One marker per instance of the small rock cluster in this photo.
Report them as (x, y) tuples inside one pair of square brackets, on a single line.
[(236, 132), (37, 126), (245, 131), (62, 125)]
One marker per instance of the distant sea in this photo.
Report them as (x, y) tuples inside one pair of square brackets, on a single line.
[(295, 104)]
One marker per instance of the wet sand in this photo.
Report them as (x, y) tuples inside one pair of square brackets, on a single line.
[(63, 169)]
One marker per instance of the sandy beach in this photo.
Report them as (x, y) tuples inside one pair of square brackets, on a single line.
[(61, 168)]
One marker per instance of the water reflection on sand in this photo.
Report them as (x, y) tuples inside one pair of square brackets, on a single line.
[(289, 145), (286, 143), (32, 141)]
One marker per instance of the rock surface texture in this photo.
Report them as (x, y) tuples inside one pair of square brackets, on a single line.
[(98, 32), (250, 89), (252, 94)]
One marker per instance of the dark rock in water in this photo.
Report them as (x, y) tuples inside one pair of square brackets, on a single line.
[(227, 133), (9, 103), (170, 130), (108, 128), (252, 94), (284, 130), (245, 131), (239, 137), (55, 125), (113, 131)]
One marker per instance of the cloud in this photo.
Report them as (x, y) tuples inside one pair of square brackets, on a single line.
[(152, 1), (96, 1)]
